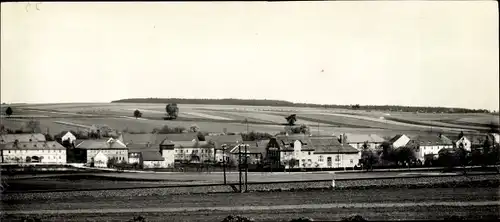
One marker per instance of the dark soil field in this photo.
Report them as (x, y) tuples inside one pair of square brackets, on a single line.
[(373, 204)]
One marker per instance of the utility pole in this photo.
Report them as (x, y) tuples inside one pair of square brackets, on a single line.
[(239, 164), (246, 167), (224, 161)]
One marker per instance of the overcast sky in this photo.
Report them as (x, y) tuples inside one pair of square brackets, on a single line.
[(421, 53)]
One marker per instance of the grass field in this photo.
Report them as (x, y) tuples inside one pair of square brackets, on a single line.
[(216, 118)]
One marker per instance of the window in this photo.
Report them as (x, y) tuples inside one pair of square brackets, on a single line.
[(320, 159), (59, 157), (352, 161), (337, 158), (309, 153)]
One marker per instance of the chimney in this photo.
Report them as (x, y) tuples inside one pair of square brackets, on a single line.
[(341, 138), (148, 145)]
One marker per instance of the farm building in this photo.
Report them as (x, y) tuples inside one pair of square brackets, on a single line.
[(331, 153), (68, 136), (186, 151), (231, 141), (399, 140), (34, 151), (100, 160), (254, 152), (431, 144), (10, 138), (283, 148), (152, 159), (135, 149), (142, 138), (112, 148), (358, 140)]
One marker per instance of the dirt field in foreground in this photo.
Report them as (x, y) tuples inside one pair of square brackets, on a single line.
[(363, 202)]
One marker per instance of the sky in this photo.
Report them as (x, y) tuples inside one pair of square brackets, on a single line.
[(415, 53)]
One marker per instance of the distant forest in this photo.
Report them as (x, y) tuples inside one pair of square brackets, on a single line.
[(263, 102)]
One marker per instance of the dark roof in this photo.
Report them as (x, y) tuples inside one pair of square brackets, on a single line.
[(290, 139), (361, 138), (181, 137), (433, 140), (188, 144), (9, 138), (151, 156), (394, 139), (253, 147), (143, 138), (331, 145), (100, 144), (48, 145), (135, 148)]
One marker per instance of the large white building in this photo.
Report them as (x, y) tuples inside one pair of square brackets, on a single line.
[(111, 148), (34, 151), (357, 141)]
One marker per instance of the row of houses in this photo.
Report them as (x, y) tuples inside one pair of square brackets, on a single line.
[(164, 150)]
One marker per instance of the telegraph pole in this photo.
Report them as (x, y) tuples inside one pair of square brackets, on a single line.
[(224, 161), (246, 167), (239, 164)]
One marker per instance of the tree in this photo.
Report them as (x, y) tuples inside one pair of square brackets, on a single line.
[(172, 110), (33, 126), (48, 137), (292, 163), (291, 119), (201, 136), (137, 114), (368, 159), (405, 155), (194, 128), (8, 111)]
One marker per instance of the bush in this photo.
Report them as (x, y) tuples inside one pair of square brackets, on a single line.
[(232, 218), (138, 218), (302, 219), (354, 218), (167, 130)]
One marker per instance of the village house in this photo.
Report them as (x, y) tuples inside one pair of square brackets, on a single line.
[(254, 152), (186, 151), (68, 136), (332, 152), (283, 149), (111, 148), (357, 141), (431, 145), (100, 160), (399, 140), (135, 150), (152, 159), (33, 152), (230, 141)]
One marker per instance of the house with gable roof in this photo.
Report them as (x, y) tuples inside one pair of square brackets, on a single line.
[(431, 145), (112, 148), (399, 140), (332, 152), (32, 151), (358, 140)]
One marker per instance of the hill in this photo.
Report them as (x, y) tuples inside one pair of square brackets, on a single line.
[(264, 102)]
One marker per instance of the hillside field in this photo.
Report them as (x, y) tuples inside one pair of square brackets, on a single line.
[(216, 118)]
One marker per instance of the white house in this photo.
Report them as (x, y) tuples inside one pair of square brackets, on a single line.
[(39, 152), (399, 140), (331, 153), (186, 151), (112, 148), (100, 160), (431, 145), (152, 159), (68, 136), (465, 142)]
